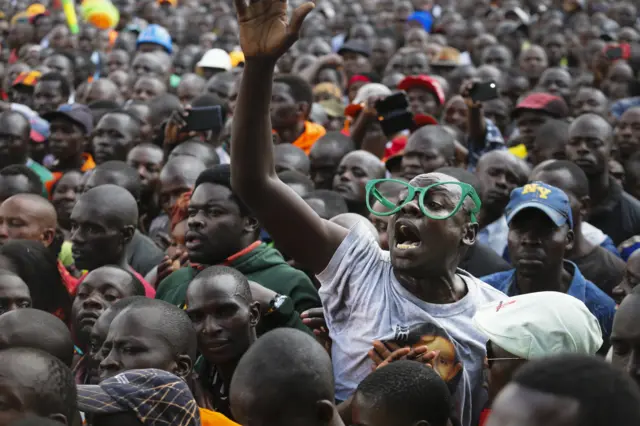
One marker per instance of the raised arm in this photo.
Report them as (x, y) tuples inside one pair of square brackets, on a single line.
[(265, 34)]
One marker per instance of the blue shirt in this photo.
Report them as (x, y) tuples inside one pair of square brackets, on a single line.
[(599, 304)]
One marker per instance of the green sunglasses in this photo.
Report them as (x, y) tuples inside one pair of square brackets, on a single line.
[(435, 209)]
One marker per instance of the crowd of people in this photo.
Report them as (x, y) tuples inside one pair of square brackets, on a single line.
[(408, 213)]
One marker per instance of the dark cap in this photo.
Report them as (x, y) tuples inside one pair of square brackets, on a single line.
[(355, 46), (549, 104), (78, 113), (158, 398)]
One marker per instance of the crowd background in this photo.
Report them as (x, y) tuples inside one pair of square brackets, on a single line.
[(281, 212)]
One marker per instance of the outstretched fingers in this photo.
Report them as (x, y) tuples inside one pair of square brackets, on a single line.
[(298, 16)]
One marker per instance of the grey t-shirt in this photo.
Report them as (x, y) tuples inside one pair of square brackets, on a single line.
[(363, 301)]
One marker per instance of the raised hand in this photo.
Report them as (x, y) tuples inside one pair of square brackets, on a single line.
[(265, 29)]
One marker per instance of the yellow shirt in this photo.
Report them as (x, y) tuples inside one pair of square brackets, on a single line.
[(212, 418)]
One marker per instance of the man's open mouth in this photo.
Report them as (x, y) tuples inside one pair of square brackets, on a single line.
[(407, 236)]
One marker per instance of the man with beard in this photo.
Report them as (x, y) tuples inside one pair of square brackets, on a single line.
[(354, 171), (223, 231), (499, 173), (540, 234), (614, 211), (368, 294), (104, 221)]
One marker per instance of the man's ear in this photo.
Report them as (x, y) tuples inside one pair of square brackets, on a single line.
[(325, 411), (250, 224), (585, 209), (470, 233), (184, 366), (127, 233), (254, 313), (48, 235), (570, 239), (60, 418), (304, 109)]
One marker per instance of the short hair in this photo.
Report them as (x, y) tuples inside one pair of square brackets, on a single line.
[(292, 362), (580, 187), (444, 140), (221, 175), (104, 104), (212, 158), (53, 76), (410, 390), (41, 330), (291, 177), (552, 133), (287, 150), (35, 183), (337, 139), (176, 324), (162, 106), (116, 203), (243, 288), (50, 381), (333, 201), (607, 396), (132, 117), (301, 90), (136, 284), (463, 176), (211, 99), (38, 268), (119, 173)]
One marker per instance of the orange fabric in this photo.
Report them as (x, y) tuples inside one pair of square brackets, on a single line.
[(242, 252), (88, 164), (212, 418), (312, 132), (69, 281)]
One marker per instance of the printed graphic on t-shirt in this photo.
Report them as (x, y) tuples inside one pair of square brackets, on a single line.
[(447, 364)]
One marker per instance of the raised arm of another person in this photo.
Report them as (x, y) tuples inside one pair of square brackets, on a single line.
[(265, 34)]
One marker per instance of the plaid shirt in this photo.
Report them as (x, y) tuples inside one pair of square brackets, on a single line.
[(493, 140)]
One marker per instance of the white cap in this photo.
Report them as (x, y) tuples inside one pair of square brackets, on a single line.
[(538, 325), (215, 58), (370, 90)]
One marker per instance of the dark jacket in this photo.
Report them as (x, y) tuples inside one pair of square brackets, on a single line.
[(264, 265), (618, 215)]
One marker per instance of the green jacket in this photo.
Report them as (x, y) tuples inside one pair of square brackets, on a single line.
[(264, 265)]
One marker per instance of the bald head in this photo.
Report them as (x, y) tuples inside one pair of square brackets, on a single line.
[(113, 203), (186, 168), (594, 123), (349, 220), (516, 165), (32, 328), (35, 205), (434, 137), (15, 124), (370, 162), (292, 362), (288, 157)]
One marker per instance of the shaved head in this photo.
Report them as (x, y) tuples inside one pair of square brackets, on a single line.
[(112, 202), (37, 206), (515, 164), (32, 328), (188, 168)]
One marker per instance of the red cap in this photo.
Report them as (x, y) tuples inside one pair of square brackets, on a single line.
[(424, 81), (552, 105)]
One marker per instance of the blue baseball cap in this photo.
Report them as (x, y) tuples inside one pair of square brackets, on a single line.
[(157, 397), (156, 34), (538, 195), (79, 114)]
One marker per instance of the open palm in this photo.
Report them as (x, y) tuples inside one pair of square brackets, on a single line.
[(265, 29)]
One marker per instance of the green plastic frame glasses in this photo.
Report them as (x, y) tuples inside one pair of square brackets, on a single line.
[(372, 192)]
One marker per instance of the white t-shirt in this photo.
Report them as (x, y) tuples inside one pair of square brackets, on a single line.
[(363, 301)]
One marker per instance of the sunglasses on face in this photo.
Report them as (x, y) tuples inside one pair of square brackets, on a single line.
[(436, 201)]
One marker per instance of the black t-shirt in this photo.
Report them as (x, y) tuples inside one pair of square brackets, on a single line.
[(618, 215), (481, 260), (143, 254), (602, 268)]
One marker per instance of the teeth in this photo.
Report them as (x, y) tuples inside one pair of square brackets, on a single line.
[(407, 246)]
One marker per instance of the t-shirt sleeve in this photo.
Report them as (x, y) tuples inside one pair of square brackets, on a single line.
[(358, 262)]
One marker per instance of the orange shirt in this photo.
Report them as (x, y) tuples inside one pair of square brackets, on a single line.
[(312, 132), (212, 418), (88, 164)]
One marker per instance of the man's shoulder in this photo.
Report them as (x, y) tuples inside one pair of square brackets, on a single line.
[(631, 203), (594, 295), (486, 291), (171, 289), (499, 280)]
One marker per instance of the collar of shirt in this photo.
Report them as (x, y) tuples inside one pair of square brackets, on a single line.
[(577, 288)]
